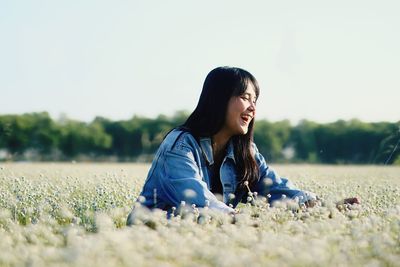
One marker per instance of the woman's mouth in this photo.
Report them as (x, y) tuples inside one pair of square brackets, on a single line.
[(246, 118)]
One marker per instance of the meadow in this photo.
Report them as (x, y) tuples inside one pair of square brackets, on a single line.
[(66, 214)]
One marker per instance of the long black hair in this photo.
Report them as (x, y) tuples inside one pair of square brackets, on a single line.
[(209, 116)]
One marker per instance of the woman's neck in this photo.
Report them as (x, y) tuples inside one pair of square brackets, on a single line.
[(219, 141)]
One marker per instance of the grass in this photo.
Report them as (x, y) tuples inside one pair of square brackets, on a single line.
[(74, 215)]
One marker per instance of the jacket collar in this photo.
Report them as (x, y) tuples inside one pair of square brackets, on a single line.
[(206, 147)]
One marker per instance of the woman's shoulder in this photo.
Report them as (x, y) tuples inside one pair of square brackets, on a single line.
[(253, 147), (178, 138), (257, 155)]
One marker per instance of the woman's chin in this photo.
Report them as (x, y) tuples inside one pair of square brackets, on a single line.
[(243, 130)]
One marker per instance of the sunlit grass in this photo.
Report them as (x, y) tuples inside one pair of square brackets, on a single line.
[(75, 214)]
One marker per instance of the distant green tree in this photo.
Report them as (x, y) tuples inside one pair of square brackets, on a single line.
[(81, 138), (18, 129), (138, 135), (338, 142), (5, 130), (179, 117), (388, 151), (271, 138), (349, 141), (302, 138), (45, 133), (36, 131)]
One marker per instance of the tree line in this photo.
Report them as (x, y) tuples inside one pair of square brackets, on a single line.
[(37, 137)]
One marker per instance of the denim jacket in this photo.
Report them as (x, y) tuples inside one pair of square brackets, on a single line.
[(181, 171)]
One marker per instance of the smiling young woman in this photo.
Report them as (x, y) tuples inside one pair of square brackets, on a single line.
[(213, 153)]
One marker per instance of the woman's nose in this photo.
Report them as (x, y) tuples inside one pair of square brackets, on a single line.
[(252, 106)]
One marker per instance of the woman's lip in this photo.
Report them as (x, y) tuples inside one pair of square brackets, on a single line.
[(246, 118)]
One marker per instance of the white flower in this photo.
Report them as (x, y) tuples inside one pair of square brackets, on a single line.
[(267, 181), (189, 193)]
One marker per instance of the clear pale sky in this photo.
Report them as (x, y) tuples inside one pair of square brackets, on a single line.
[(316, 60)]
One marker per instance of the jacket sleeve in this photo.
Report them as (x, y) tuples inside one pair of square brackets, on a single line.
[(275, 187), (182, 181)]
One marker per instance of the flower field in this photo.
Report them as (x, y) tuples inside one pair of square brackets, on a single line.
[(75, 214)]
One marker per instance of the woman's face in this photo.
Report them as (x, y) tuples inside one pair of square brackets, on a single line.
[(241, 110)]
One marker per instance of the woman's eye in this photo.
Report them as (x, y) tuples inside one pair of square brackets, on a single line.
[(246, 98), (249, 99)]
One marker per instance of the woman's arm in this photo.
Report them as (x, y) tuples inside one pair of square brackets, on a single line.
[(276, 187), (182, 181)]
